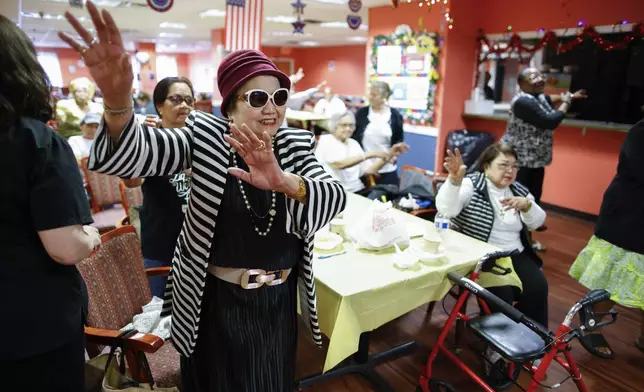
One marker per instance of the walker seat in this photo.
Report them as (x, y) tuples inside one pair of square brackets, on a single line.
[(514, 341)]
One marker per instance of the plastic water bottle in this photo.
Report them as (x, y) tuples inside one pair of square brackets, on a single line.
[(441, 223)]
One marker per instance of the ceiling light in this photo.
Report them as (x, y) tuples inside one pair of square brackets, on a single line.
[(107, 3), (341, 25), (171, 25), (309, 43), (40, 15), (98, 3), (280, 19), (358, 39), (212, 13), (340, 2), (170, 35)]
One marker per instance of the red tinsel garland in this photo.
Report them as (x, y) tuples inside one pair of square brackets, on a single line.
[(550, 39)]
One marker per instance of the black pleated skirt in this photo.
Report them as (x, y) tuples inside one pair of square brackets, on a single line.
[(247, 339)]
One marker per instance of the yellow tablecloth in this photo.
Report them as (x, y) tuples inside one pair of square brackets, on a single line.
[(361, 291)]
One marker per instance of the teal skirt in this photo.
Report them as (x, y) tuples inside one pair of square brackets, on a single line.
[(602, 265)]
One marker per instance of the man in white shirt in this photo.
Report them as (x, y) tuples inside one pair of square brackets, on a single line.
[(330, 104), (82, 144)]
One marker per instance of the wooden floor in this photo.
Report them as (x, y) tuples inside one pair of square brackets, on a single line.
[(564, 238)]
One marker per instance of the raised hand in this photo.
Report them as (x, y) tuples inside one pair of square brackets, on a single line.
[(104, 56), (296, 77), (256, 150), (455, 166)]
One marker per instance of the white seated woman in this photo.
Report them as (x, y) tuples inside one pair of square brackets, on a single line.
[(490, 206), (344, 158)]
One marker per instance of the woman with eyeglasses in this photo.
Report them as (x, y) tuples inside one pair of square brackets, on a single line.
[(491, 206), (344, 158), (257, 197), (165, 198)]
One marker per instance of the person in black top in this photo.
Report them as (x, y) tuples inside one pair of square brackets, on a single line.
[(43, 215), (487, 90), (531, 127), (379, 127), (165, 198), (614, 257)]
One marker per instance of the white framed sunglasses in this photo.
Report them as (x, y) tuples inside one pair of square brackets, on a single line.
[(258, 98)]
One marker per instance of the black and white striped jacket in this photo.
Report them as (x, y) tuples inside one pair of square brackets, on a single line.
[(477, 218), (144, 152)]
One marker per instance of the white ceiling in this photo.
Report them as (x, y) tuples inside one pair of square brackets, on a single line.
[(41, 19)]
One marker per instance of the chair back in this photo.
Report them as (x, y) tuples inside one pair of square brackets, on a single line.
[(104, 190), (422, 178), (131, 197), (116, 281), (470, 143)]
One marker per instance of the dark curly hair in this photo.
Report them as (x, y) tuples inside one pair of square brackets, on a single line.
[(24, 86)]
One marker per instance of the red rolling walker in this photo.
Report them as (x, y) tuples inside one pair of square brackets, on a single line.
[(517, 338)]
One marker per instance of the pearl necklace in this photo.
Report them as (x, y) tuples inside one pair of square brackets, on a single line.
[(271, 211)]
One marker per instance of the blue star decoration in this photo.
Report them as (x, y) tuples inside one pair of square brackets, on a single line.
[(298, 26), (299, 6)]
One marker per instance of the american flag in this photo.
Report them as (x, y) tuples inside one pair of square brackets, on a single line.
[(243, 24)]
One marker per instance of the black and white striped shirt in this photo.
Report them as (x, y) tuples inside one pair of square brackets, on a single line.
[(477, 217), (143, 152)]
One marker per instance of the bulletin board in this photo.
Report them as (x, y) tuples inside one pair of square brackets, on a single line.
[(409, 64)]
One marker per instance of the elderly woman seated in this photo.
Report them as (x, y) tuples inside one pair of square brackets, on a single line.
[(490, 206), (344, 158)]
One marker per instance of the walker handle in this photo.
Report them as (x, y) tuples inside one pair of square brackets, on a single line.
[(490, 298)]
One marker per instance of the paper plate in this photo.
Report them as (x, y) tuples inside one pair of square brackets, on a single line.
[(327, 240)]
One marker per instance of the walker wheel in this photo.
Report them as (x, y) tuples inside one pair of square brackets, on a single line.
[(437, 386)]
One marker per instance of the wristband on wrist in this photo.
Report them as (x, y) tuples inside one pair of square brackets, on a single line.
[(117, 112)]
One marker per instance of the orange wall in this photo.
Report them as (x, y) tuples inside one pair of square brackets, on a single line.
[(585, 164), (348, 76)]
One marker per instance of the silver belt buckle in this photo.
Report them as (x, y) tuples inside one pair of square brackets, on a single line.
[(256, 278)]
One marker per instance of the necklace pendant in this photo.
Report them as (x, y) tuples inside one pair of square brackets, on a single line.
[(272, 212)]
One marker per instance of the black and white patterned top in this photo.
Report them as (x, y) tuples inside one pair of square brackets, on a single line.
[(531, 127), (143, 152)]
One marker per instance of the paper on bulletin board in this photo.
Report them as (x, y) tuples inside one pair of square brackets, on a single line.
[(389, 60), (407, 92)]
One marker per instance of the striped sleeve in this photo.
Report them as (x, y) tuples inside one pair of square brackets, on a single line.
[(143, 151), (325, 196)]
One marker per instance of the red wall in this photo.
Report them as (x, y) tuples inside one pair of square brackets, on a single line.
[(583, 166), (348, 77)]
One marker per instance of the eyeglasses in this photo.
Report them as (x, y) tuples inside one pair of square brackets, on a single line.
[(257, 98), (179, 99), (347, 125), (505, 167)]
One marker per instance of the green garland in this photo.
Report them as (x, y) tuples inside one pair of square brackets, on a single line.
[(412, 116)]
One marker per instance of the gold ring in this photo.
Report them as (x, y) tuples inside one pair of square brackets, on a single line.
[(84, 50), (262, 146)]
